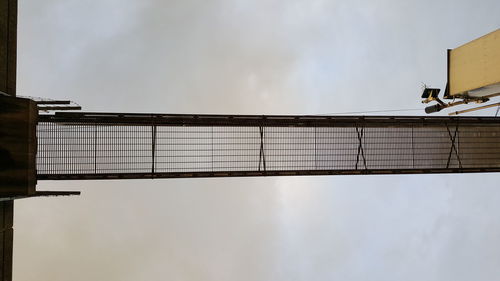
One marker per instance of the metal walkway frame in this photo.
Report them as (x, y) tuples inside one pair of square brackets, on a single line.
[(76, 146)]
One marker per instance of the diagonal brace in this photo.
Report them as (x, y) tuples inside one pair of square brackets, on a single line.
[(361, 150), (453, 146), (262, 156)]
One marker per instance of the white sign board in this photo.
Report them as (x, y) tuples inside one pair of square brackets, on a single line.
[(474, 68)]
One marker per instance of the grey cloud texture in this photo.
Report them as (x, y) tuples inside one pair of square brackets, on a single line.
[(253, 57), (211, 56)]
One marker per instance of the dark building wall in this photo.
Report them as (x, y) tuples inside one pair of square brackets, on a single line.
[(18, 119), (6, 239), (8, 45)]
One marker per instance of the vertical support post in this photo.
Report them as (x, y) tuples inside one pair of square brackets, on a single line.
[(8, 52), (6, 239), (315, 150), (95, 148), (8, 45), (212, 137), (447, 89), (412, 149), (153, 148)]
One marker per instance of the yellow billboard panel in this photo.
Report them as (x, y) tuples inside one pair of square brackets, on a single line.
[(474, 68)]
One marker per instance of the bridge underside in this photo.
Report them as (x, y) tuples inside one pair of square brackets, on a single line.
[(125, 146)]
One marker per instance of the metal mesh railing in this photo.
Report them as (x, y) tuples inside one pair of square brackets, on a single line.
[(83, 147)]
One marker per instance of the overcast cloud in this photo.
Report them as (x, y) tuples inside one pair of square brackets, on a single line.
[(253, 57)]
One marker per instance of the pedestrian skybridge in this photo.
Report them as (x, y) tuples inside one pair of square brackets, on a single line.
[(116, 146)]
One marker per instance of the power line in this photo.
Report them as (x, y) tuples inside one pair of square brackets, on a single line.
[(372, 111)]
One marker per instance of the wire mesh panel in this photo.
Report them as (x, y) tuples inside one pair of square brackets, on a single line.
[(88, 146), (66, 149), (183, 149)]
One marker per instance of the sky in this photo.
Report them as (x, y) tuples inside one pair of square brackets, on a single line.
[(253, 57)]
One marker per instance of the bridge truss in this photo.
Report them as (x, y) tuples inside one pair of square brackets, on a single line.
[(125, 146)]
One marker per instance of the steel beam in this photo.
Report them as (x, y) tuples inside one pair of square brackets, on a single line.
[(131, 119), (123, 176)]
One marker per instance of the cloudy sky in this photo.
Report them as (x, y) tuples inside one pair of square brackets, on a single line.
[(253, 57)]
